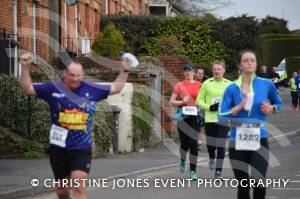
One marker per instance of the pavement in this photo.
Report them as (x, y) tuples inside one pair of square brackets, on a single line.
[(16, 174)]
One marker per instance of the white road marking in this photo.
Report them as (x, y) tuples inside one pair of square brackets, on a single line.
[(292, 189), (295, 181)]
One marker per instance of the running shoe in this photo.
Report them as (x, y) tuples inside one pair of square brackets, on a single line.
[(193, 175), (182, 166), (219, 175)]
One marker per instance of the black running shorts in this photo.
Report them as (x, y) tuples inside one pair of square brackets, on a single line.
[(63, 161)]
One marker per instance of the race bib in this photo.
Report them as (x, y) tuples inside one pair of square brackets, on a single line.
[(189, 110), (247, 139), (249, 102), (58, 136), (215, 100)]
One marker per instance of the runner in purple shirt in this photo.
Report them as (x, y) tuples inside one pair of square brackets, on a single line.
[(72, 103)]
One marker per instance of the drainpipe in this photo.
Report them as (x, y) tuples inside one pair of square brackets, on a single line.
[(66, 28), (106, 7), (143, 7), (33, 28), (15, 24), (167, 8), (76, 28)]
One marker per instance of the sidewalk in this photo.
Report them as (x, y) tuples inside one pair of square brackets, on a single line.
[(16, 175)]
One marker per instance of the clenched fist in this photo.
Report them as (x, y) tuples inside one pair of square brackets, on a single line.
[(26, 59)]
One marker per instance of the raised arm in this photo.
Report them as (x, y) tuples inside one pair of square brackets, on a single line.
[(120, 81), (25, 80)]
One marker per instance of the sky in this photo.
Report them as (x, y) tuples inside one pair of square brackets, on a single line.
[(287, 9)]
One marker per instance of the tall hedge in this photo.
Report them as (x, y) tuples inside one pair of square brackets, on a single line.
[(265, 54), (102, 129), (110, 42), (292, 65), (195, 36), (14, 115), (135, 29), (142, 116), (274, 48), (273, 25), (236, 33), (14, 111)]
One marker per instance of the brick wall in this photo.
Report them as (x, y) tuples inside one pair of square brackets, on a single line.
[(128, 7), (87, 24), (6, 15), (42, 26), (105, 74), (173, 73), (24, 23)]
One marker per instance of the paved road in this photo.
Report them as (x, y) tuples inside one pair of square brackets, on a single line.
[(285, 164), (287, 168)]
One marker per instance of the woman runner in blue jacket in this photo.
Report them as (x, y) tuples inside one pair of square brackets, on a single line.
[(245, 106)]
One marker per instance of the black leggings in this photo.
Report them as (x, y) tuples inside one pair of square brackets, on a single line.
[(295, 97), (258, 163), (215, 140), (188, 130)]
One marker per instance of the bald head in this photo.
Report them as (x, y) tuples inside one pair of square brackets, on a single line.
[(75, 67), (73, 75)]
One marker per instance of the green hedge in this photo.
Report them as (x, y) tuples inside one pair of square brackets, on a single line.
[(142, 116), (189, 36), (102, 129), (14, 111), (276, 36), (292, 65), (14, 146), (235, 33), (262, 38), (274, 25), (195, 37), (135, 29), (273, 51), (14, 115), (110, 42)]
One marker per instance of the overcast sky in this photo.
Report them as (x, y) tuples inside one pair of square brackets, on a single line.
[(289, 9)]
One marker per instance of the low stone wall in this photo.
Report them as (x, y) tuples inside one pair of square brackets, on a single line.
[(123, 101)]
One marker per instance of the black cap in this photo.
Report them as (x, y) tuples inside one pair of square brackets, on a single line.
[(189, 66)]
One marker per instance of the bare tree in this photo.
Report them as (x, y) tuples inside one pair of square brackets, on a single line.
[(198, 7)]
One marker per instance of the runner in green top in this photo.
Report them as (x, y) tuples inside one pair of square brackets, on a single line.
[(294, 93), (211, 93), (209, 98)]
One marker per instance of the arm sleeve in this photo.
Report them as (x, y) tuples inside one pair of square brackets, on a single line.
[(100, 91), (176, 89), (274, 97), (200, 101), (43, 90), (226, 103)]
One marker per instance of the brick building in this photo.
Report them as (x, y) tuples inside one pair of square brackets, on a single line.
[(49, 26), (126, 7)]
